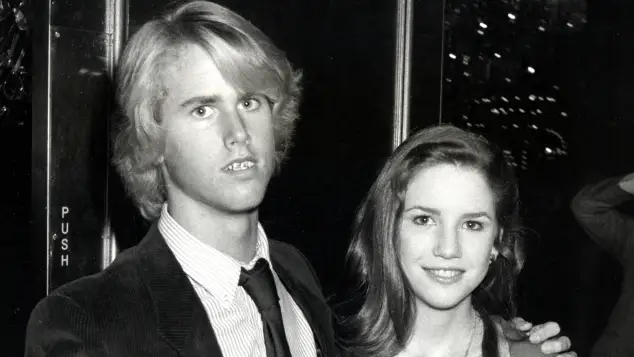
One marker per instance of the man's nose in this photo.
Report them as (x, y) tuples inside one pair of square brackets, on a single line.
[(236, 131)]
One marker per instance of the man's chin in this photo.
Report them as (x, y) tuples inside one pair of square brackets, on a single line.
[(247, 206), (248, 209)]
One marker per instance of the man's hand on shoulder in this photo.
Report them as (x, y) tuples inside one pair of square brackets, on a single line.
[(545, 334)]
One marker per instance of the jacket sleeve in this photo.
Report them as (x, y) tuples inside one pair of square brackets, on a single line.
[(595, 208), (526, 349), (58, 327)]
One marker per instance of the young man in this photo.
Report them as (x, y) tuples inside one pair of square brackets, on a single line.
[(596, 209), (209, 107)]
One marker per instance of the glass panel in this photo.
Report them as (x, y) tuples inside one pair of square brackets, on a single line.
[(15, 146), (544, 80), (85, 15), (78, 152), (426, 69)]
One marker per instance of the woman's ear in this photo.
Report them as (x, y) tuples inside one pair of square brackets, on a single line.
[(494, 255), (494, 250)]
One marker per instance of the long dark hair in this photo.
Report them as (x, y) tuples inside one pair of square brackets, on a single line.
[(382, 325)]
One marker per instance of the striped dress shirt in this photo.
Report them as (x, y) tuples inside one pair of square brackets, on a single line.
[(233, 315)]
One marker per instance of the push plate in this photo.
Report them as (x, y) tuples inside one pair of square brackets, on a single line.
[(78, 152)]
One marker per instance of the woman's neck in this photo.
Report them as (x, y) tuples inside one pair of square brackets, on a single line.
[(442, 332)]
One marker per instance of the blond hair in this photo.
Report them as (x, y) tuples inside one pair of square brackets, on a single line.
[(245, 56)]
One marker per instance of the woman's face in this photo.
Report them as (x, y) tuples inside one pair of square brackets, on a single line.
[(446, 234)]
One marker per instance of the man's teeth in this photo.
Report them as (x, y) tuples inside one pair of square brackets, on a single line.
[(446, 273), (238, 166)]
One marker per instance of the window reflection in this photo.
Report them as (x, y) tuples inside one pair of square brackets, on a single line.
[(500, 77), (522, 73)]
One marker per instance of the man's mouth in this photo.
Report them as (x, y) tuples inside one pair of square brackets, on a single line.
[(239, 165)]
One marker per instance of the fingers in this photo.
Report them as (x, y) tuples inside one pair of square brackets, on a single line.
[(561, 344), (521, 324), (547, 332), (543, 332)]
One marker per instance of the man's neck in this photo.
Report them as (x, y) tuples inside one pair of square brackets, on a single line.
[(441, 332), (234, 234)]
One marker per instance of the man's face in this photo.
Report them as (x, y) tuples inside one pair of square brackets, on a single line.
[(219, 143)]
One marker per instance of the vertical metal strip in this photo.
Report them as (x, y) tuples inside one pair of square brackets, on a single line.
[(41, 233), (49, 122), (119, 29), (116, 18), (42, 237), (402, 72), (442, 61)]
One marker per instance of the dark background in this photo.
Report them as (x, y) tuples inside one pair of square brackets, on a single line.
[(345, 49)]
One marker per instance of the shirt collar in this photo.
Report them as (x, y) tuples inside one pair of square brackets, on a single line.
[(213, 270)]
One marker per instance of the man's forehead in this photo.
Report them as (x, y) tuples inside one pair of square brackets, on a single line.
[(187, 57), (195, 64), (191, 64)]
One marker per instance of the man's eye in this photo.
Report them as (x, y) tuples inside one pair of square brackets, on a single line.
[(422, 220), (474, 225), (250, 104), (202, 112)]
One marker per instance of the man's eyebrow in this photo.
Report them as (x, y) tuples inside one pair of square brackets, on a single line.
[(199, 100)]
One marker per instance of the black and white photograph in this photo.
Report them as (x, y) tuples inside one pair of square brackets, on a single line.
[(317, 178)]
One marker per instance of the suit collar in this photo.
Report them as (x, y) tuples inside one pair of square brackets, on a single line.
[(197, 259), (314, 308), (182, 319)]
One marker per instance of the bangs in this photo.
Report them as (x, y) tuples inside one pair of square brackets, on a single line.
[(243, 64)]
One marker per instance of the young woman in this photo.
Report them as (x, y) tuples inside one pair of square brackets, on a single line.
[(437, 249)]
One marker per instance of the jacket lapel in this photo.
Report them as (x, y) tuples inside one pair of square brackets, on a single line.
[(182, 319), (313, 306)]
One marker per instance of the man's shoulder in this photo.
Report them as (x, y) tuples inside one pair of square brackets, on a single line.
[(114, 307), (117, 285), (122, 276)]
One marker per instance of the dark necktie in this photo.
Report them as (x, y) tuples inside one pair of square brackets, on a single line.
[(259, 284)]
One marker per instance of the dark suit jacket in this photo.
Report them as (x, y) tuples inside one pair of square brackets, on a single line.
[(596, 209), (144, 305)]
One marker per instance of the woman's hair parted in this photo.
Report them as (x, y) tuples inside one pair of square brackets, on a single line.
[(247, 59), (382, 325)]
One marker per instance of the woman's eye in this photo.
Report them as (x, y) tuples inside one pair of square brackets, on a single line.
[(202, 112), (422, 220), (250, 104), (474, 225)]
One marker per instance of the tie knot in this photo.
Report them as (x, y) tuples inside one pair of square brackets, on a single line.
[(259, 284)]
